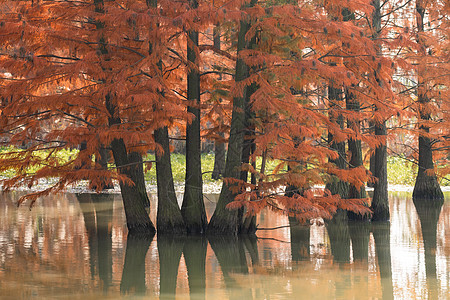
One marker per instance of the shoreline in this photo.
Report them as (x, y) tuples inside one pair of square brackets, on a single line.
[(208, 188)]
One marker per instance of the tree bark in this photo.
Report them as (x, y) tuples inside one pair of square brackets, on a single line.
[(356, 159), (380, 200), (168, 218), (219, 146), (426, 187), (193, 207), (137, 217), (224, 221), (337, 186)]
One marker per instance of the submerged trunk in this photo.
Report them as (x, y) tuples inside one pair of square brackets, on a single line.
[(193, 207), (224, 221), (168, 217), (426, 186)]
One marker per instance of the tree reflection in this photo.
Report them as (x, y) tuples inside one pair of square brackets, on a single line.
[(230, 254), (98, 212), (133, 275), (194, 252), (428, 212), (339, 236), (300, 240), (169, 251), (360, 235), (382, 235)]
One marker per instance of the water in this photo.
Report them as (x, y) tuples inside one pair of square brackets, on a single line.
[(76, 247)]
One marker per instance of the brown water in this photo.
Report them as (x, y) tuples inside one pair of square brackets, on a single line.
[(76, 247)]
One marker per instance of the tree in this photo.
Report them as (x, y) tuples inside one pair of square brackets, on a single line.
[(426, 186), (193, 207), (226, 221)]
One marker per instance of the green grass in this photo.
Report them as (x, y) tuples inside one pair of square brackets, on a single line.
[(400, 171)]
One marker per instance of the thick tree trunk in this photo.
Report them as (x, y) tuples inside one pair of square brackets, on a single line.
[(137, 217), (356, 159), (380, 201), (168, 218), (193, 207), (337, 186), (426, 187), (224, 221), (136, 158)]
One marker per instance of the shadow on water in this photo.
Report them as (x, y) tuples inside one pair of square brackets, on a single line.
[(428, 212), (300, 240), (230, 254), (133, 275), (194, 252), (98, 213), (339, 236), (169, 251), (382, 235)]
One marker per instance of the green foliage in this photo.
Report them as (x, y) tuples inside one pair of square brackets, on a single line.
[(401, 171), (62, 155)]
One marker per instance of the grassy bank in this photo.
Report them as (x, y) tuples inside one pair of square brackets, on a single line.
[(400, 171)]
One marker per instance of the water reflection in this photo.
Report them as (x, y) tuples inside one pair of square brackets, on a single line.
[(77, 245), (133, 275), (428, 212)]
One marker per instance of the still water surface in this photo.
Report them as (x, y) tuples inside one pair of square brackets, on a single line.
[(76, 246)]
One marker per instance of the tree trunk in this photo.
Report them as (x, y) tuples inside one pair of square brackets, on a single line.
[(137, 217), (380, 201), (337, 186), (136, 158), (426, 187), (356, 159), (219, 146), (168, 218), (193, 207), (224, 221)]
